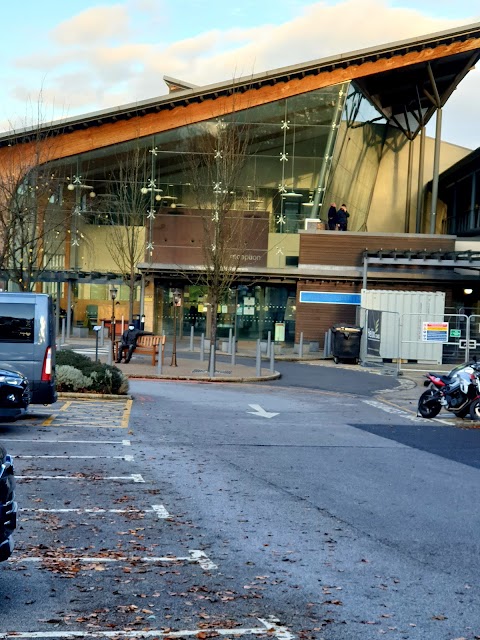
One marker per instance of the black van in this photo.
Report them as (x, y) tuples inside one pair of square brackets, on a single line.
[(27, 341)]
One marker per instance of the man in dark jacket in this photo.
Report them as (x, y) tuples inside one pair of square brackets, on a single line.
[(342, 218), (129, 342), (332, 217)]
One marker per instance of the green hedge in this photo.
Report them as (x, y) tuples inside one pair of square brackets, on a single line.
[(94, 377)]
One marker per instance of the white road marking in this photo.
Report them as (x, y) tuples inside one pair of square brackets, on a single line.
[(157, 509), (404, 414), (135, 477), (269, 628), (196, 556), (160, 510), (125, 458), (259, 411), (125, 443), (202, 559)]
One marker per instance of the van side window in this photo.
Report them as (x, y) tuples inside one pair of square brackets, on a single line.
[(17, 322)]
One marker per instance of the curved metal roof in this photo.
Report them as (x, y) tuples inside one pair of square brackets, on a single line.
[(407, 94)]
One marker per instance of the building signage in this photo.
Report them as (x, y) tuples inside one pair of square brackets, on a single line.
[(435, 332), (329, 297), (374, 332)]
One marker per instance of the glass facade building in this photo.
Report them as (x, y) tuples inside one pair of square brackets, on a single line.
[(298, 155)]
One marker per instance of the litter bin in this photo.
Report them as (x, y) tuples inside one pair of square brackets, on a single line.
[(346, 343), (136, 321)]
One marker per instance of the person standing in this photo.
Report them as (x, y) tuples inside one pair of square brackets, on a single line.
[(342, 218), (332, 217)]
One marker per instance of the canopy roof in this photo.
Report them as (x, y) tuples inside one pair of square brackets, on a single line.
[(406, 80)]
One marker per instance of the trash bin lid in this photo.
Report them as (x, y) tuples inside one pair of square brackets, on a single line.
[(346, 329)]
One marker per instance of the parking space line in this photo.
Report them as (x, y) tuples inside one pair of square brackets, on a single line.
[(161, 512), (91, 413), (126, 458), (134, 477), (270, 627), (126, 414), (125, 443), (196, 557), (157, 509)]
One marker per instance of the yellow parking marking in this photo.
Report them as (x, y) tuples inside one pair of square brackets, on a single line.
[(91, 414), (126, 414)]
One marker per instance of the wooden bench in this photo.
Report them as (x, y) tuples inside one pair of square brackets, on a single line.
[(147, 344)]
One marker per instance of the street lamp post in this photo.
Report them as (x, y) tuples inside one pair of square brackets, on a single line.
[(113, 295), (177, 302)]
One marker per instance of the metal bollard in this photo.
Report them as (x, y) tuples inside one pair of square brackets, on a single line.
[(212, 361), (159, 363), (269, 343), (272, 359), (202, 347), (102, 334), (63, 331), (192, 329), (230, 341), (300, 346), (233, 352), (258, 362)]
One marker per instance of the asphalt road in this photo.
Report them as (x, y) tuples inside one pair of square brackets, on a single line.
[(332, 518)]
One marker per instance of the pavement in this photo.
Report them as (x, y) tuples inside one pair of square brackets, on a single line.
[(190, 367)]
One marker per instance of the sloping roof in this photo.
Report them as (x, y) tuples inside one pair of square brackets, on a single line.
[(404, 92)]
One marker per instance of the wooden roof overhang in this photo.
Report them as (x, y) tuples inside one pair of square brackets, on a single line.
[(400, 78)]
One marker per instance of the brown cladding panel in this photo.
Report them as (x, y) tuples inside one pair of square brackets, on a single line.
[(344, 248), (178, 238)]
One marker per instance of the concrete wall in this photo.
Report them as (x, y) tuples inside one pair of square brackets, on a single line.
[(388, 207)]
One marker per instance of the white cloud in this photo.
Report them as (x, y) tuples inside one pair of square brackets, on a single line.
[(93, 25), (108, 75)]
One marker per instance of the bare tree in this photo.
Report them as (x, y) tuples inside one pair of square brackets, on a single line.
[(216, 162), (127, 215), (30, 240)]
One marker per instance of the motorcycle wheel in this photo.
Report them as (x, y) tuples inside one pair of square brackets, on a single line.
[(475, 410), (428, 405)]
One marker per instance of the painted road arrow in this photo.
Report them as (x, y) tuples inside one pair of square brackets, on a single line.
[(259, 411)]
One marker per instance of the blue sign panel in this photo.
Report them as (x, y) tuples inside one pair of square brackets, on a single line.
[(329, 297)]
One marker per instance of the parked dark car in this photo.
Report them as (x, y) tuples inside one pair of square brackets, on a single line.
[(8, 506), (14, 393)]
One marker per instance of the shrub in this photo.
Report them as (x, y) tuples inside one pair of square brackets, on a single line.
[(103, 378), (70, 379), (77, 360)]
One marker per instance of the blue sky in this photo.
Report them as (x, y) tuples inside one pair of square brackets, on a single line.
[(84, 56)]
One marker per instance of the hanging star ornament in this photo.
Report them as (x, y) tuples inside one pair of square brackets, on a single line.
[(151, 184), (151, 214), (153, 151), (75, 242), (285, 124), (282, 188), (150, 246), (281, 219), (283, 156)]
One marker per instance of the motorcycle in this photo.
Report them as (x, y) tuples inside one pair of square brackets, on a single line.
[(457, 391)]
